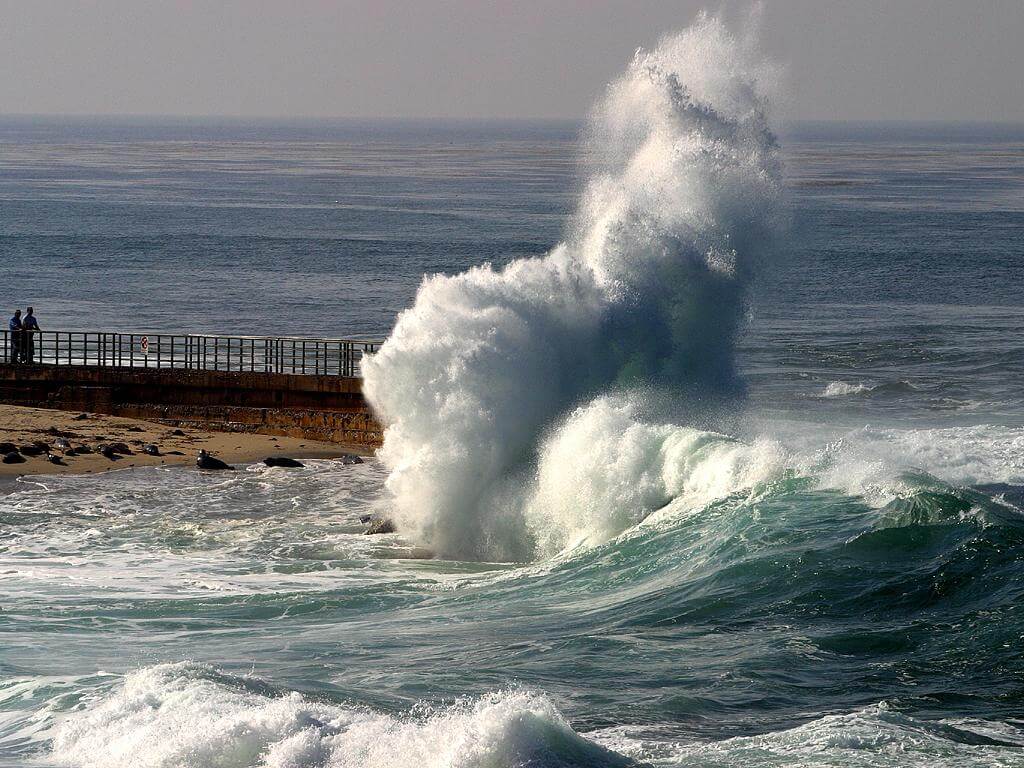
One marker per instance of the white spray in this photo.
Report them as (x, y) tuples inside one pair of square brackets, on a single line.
[(646, 291)]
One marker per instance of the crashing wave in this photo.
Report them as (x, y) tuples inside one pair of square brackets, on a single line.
[(646, 291), (189, 714)]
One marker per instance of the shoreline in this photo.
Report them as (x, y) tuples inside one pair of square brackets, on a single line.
[(23, 425)]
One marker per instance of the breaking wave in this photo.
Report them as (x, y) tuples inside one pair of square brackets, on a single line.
[(644, 295), (189, 714)]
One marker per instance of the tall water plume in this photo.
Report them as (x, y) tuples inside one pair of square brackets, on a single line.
[(645, 292)]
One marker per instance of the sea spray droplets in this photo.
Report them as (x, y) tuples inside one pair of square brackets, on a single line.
[(646, 290)]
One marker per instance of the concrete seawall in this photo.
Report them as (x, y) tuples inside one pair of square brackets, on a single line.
[(328, 408)]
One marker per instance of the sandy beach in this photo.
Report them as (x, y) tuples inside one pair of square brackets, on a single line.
[(26, 426)]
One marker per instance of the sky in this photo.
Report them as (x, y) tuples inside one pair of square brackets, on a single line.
[(845, 59)]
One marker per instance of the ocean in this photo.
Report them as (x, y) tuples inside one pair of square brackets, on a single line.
[(760, 511)]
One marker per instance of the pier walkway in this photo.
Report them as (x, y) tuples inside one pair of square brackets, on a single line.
[(300, 387), (249, 354)]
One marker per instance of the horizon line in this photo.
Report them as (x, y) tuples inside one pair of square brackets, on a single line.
[(464, 119)]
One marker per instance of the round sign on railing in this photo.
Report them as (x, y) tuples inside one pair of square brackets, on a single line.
[(144, 342)]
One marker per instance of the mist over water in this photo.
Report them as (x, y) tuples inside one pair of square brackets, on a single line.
[(646, 292)]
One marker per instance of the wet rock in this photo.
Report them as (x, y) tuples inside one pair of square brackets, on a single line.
[(83, 449), (121, 448), (177, 433), (54, 459), (134, 428), (13, 457), (34, 449), (282, 461), (6, 448), (351, 458), (151, 450), (380, 525), (81, 417), (206, 461), (108, 451)]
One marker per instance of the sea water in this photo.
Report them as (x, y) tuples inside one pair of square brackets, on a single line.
[(761, 509)]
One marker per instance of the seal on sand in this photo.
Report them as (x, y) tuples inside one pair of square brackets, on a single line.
[(206, 461)]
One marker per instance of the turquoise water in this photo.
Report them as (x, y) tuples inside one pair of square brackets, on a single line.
[(821, 565)]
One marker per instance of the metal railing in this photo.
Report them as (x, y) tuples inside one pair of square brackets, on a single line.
[(263, 354)]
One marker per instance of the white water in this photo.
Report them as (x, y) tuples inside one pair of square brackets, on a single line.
[(604, 470), (191, 715), (646, 290), (842, 389)]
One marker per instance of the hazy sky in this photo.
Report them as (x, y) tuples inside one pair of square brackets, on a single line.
[(847, 59)]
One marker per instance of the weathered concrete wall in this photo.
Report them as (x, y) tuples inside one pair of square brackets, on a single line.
[(328, 408)]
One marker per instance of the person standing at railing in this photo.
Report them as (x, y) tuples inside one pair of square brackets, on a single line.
[(29, 327), (14, 326)]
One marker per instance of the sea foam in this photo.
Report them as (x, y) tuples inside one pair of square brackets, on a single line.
[(190, 714), (193, 716), (645, 292), (843, 388)]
